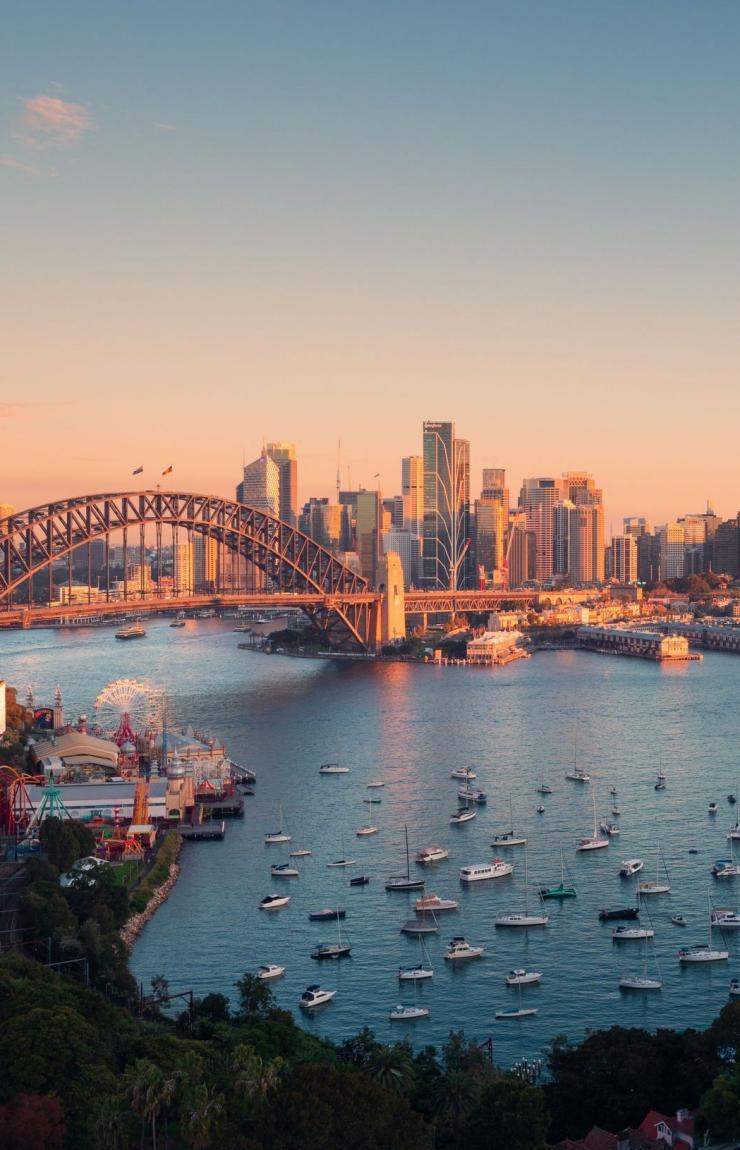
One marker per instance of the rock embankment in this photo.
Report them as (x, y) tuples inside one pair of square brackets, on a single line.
[(133, 926)]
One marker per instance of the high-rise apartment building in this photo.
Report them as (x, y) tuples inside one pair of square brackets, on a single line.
[(260, 487), (671, 543), (412, 493), (446, 537), (624, 559), (205, 551), (538, 499), (284, 455)]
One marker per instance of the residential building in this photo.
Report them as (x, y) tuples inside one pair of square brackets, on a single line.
[(537, 499), (205, 563), (671, 542), (284, 455), (182, 568), (624, 559)]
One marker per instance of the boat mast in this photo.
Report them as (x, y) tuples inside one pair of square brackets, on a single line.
[(408, 864)]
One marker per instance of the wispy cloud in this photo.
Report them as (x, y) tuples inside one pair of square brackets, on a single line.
[(22, 166), (49, 121), (14, 410), (167, 127)]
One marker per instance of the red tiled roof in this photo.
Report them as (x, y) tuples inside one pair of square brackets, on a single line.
[(598, 1139)]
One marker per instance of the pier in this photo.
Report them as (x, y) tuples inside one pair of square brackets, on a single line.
[(639, 644)]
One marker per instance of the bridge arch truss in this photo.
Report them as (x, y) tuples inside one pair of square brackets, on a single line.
[(335, 597)]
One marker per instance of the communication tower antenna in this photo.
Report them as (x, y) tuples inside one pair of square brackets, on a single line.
[(339, 462)]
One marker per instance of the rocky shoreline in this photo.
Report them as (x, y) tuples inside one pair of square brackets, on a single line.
[(133, 926)]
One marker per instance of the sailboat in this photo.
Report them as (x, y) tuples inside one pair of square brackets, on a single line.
[(542, 787), (509, 838), (575, 772), (422, 970), (594, 843), (521, 1012), (343, 861), (281, 835), (641, 981), (561, 890), (405, 881), (703, 952), (656, 887), (336, 949), (630, 933), (525, 919)]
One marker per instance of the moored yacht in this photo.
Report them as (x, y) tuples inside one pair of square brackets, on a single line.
[(477, 872), (314, 996), (401, 882), (594, 843), (368, 829), (464, 815), (630, 867), (577, 775), (464, 773), (628, 933), (472, 795), (270, 970), (432, 854), (522, 977), (408, 1013), (725, 918), (459, 949), (333, 769), (703, 952), (432, 903), (284, 870), (274, 901)]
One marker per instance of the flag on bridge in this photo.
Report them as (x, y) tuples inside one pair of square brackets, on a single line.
[(138, 471), (167, 470)]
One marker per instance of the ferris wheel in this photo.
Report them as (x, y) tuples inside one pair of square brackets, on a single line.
[(126, 708)]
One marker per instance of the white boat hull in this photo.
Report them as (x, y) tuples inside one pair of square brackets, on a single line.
[(408, 1013), (523, 1013), (631, 935), (704, 956), (508, 841), (522, 920), (653, 887), (526, 979), (592, 844), (636, 982), (415, 974)]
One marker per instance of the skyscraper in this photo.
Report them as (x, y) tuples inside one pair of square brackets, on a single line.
[(412, 491), (369, 526), (671, 541), (260, 487), (446, 537), (284, 455), (537, 500), (624, 558)]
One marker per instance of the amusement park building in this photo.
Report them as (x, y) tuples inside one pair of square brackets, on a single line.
[(106, 800), (78, 750)]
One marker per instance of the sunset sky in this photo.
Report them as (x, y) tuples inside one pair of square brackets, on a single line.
[(232, 222)]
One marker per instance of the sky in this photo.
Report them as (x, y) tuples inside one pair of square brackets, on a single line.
[(236, 222)]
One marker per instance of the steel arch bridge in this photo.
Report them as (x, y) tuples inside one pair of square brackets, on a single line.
[(337, 599)]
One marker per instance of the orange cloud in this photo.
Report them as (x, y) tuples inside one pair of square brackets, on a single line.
[(50, 121), (20, 166)]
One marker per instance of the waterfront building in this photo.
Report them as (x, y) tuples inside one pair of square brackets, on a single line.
[(260, 486), (284, 455), (538, 499), (408, 548), (643, 644), (412, 493), (493, 647), (446, 536), (66, 594), (624, 559)]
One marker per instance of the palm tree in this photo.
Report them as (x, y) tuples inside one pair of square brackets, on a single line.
[(251, 1074), (149, 1090), (455, 1095), (392, 1067), (201, 1114)]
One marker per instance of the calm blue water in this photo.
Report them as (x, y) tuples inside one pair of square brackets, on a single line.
[(410, 726)]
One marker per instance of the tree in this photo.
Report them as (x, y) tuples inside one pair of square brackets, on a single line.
[(64, 841), (202, 1113), (392, 1067), (454, 1097), (148, 1090), (509, 1115), (251, 1075), (32, 1122), (255, 996)]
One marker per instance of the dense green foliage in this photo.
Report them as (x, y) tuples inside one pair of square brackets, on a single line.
[(64, 841), (166, 854)]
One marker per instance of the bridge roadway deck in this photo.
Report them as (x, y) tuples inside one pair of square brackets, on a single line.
[(416, 603)]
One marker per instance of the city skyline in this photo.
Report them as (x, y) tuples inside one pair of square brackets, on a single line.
[(314, 227)]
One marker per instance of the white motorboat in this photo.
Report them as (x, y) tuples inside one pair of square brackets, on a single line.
[(526, 919), (432, 854), (278, 836), (284, 870), (630, 867), (408, 1013), (478, 872), (270, 970), (472, 795), (733, 832), (421, 971), (522, 977), (725, 918), (521, 1012), (314, 996), (509, 838), (459, 949), (630, 933), (608, 828), (712, 809), (333, 769), (464, 815), (432, 904), (726, 868), (594, 843), (401, 882), (660, 886), (464, 773), (342, 862), (369, 829), (375, 784), (301, 853), (274, 901)]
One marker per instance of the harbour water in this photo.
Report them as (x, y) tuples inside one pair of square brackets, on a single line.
[(410, 726)]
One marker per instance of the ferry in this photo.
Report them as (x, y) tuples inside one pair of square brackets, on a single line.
[(477, 873), (132, 631)]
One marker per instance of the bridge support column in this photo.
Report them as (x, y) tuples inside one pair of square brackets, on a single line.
[(392, 606)]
